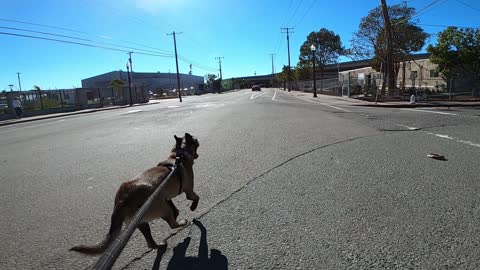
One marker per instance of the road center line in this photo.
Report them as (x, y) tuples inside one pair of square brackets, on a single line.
[(173, 106), (417, 110), (274, 95)]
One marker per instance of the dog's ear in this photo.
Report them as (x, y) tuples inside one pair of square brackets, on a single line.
[(188, 137), (178, 141)]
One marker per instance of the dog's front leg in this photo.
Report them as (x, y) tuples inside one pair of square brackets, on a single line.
[(192, 196)]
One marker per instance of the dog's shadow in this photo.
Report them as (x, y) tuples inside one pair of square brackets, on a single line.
[(216, 261)]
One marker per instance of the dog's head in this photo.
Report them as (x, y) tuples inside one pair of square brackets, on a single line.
[(188, 143)]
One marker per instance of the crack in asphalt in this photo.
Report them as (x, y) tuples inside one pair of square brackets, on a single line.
[(246, 185)]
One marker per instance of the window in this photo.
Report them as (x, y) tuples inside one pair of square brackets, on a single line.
[(433, 73), (413, 74)]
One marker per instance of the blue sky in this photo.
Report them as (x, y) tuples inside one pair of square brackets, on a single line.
[(243, 32)]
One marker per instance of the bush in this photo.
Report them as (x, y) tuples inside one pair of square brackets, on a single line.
[(47, 104)]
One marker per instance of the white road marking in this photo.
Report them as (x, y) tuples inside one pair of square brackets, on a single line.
[(202, 105), (469, 143), (441, 136), (417, 110), (334, 107), (274, 95), (61, 120), (133, 111), (173, 106), (409, 128), (452, 138), (254, 96)]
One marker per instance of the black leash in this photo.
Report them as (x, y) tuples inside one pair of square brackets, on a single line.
[(108, 258)]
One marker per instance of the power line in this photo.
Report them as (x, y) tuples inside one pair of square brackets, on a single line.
[(418, 13), (445, 26), (467, 5), (186, 60), (197, 65), (81, 32), (82, 39), (157, 52), (308, 10), (424, 8), (78, 43), (295, 11), (136, 50)]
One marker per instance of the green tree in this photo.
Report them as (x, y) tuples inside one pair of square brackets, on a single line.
[(282, 77), (303, 70), (457, 52), (116, 83), (328, 47), (369, 43), (211, 78)]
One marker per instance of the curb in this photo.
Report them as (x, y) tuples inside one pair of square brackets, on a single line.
[(25, 120), (415, 105)]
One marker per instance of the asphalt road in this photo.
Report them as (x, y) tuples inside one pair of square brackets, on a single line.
[(285, 183)]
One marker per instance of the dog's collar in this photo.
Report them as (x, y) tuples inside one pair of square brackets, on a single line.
[(181, 153)]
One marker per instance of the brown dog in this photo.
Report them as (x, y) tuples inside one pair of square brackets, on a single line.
[(133, 193)]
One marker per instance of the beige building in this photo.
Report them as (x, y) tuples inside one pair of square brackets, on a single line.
[(419, 73)]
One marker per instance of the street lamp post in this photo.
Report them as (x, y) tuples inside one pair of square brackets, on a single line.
[(312, 48), (19, 83)]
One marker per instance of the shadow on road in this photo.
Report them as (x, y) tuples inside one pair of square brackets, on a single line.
[(217, 260)]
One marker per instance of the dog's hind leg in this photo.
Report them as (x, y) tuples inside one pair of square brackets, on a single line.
[(169, 216), (174, 209), (147, 233)]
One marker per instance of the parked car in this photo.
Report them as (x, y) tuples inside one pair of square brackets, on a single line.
[(256, 88)]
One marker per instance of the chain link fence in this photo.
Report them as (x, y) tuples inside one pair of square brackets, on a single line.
[(430, 89), (37, 102)]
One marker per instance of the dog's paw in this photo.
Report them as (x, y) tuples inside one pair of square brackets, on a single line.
[(194, 205), (183, 222), (162, 244)]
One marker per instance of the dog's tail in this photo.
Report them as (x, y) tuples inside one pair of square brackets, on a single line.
[(118, 217)]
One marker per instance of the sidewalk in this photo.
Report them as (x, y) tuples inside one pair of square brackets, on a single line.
[(385, 104), (55, 115)]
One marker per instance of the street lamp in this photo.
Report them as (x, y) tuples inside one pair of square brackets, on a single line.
[(312, 48), (19, 83)]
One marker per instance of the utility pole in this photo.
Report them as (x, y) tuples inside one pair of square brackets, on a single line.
[(220, 64), (273, 69), (19, 83), (129, 84), (176, 61), (131, 65), (389, 39), (130, 61), (287, 29)]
